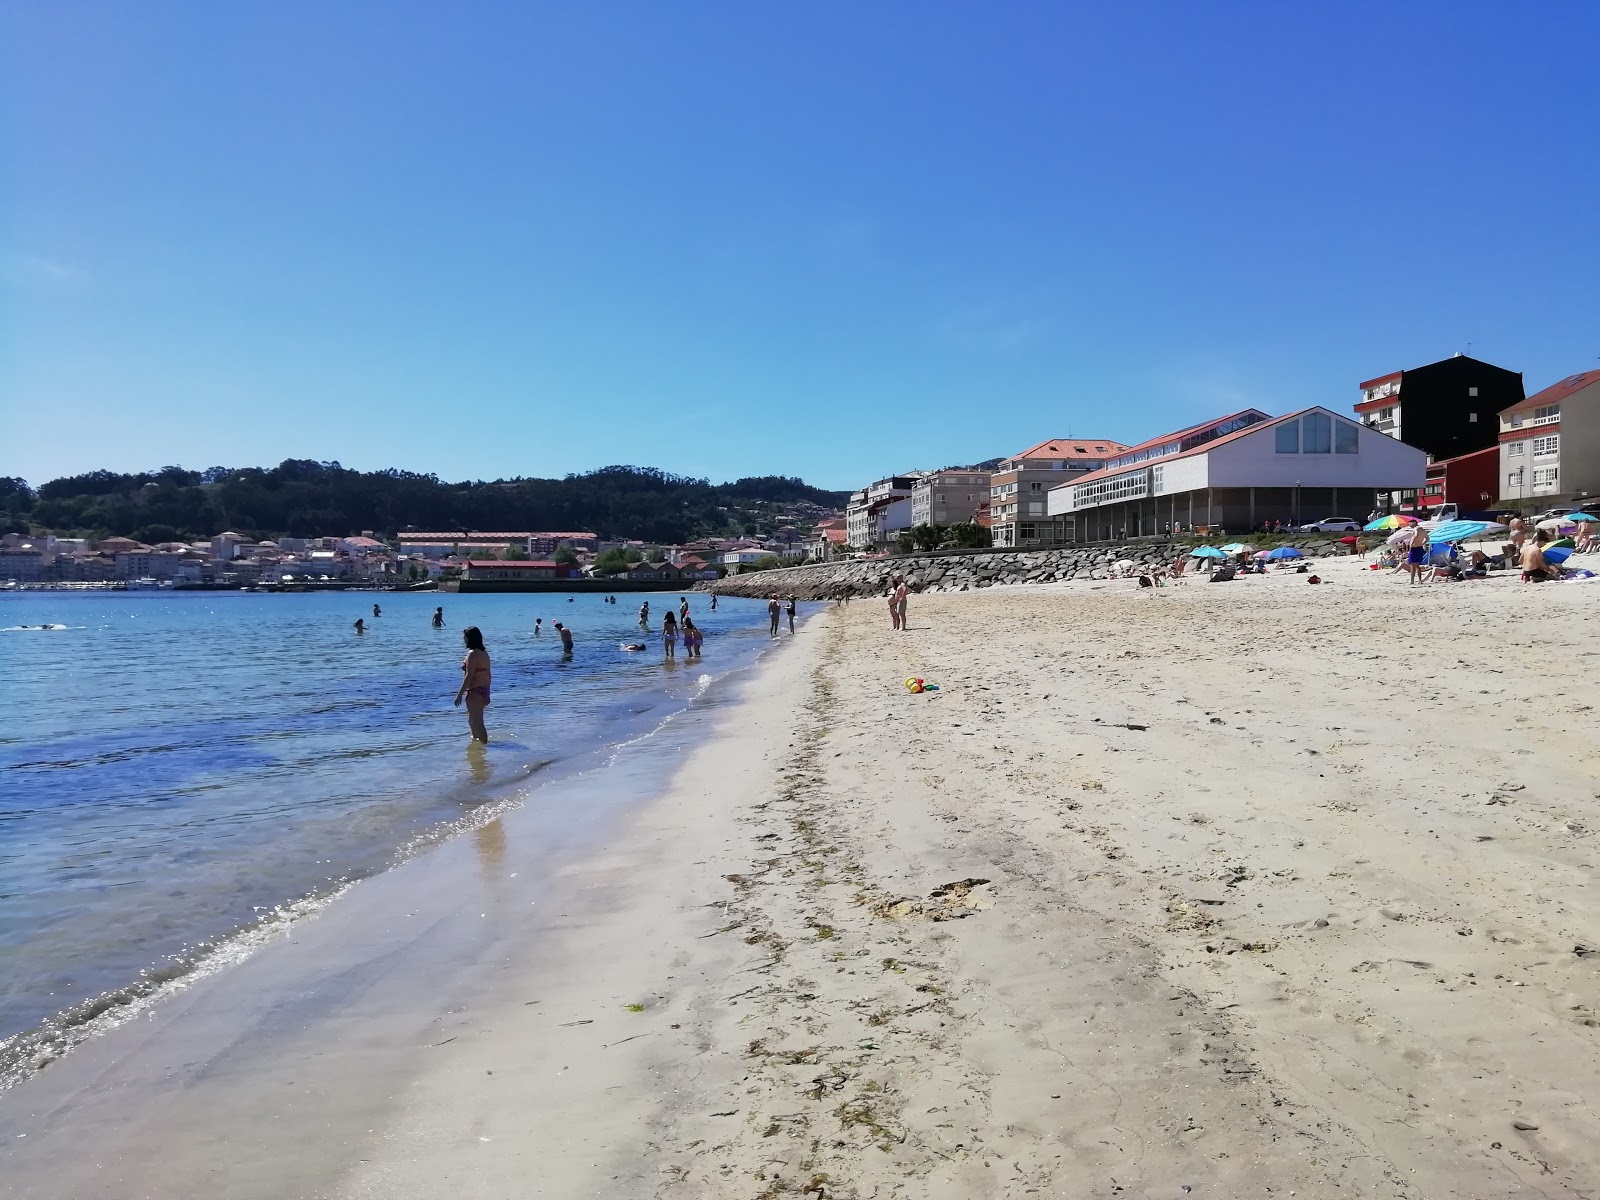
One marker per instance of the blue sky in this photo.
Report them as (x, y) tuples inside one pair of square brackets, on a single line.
[(833, 240)]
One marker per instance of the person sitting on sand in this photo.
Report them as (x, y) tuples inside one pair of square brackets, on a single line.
[(1535, 567)]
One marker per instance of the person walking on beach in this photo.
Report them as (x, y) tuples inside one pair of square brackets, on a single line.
[(438, 618), (901, 595), (474, 689), (669, 634), (772, 616), (1416, 553), (1518, 532), (566, 640), (790, 611)]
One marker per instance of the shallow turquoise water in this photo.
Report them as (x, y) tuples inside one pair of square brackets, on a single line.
[(172, 765)]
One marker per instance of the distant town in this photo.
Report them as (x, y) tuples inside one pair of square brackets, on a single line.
[(1458, 433)]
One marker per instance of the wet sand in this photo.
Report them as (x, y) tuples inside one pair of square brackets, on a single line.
[(1245, 889)]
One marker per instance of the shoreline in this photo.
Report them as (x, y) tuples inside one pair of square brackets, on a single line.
[(1251, 889)]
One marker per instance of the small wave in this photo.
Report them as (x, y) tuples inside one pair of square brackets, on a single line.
[(26, 1053), (39, 628)]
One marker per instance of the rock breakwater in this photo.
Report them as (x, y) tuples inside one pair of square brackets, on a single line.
[(964, 572)]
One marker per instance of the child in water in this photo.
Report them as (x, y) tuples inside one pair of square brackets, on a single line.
[(669, 634)]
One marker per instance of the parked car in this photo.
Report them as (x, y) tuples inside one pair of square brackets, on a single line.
[(1560, 510), (1332, 525)]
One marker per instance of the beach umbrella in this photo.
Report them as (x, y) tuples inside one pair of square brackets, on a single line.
[(1235, 548), (1582, 517), (1206, 552), (1556, 555), (1560, 543), (1394, 539), (1458, 531), (1348, 541), (1284, 552), (1392, 521)]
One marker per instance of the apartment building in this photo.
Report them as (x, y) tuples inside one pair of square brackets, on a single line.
[(879, 511), (949, 497), (1019, 489), (1550, 443), (1442, 408)]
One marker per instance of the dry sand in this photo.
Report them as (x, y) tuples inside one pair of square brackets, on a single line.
[(1262, 889)]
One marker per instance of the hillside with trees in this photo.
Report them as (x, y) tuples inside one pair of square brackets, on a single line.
[(303, 498)]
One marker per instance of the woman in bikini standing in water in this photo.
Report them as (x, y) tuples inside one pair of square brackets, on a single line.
[(474, 687)]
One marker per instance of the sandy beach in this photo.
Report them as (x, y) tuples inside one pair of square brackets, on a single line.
[(1255, 889)]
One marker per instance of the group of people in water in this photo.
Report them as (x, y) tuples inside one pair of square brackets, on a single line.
[(476, 672)]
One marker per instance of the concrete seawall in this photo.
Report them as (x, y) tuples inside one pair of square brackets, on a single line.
[(963, 572)]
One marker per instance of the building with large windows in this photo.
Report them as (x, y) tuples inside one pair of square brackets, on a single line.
[(1237, 472), (1550, 444), (1018, 514)]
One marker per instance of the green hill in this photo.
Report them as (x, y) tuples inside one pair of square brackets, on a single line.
[(302, 498)]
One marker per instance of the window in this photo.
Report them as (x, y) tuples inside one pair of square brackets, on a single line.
[(1346, 438), (1318, 433), (1027, 532), (1156, 482), (1472, 418), (1036, 508), (1550, 444), (1035, 486), (1472, 391), (1547, 414), (1289, 437), (1513, 480), (1513, 449), (941, 497), (1544, 475)]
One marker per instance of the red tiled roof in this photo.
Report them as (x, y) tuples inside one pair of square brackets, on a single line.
[(1557, 392), (1068, 448), (514, 563), (1380, 379), (1108, 472), (1177, 434)]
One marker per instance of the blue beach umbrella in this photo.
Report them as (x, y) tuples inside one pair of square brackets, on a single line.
[(1284, 552), (1206, 552), (1580, 517), (1556, 555), (1458, 531)]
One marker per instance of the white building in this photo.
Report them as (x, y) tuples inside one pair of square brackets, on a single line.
[(1239, 471), (879, 511), (1550, 443)]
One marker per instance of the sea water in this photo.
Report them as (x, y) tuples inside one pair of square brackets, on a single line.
[(178, 767)]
